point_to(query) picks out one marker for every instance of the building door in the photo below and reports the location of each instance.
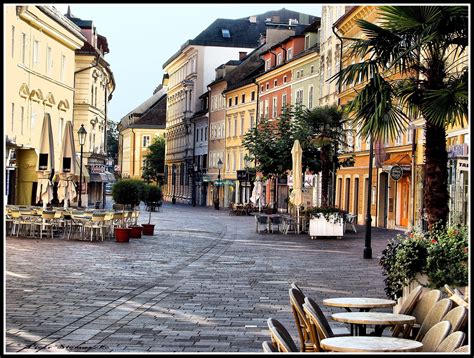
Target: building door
(367, 192)
(383, 195)
(404, 200)
(355, 208)
(347, 194)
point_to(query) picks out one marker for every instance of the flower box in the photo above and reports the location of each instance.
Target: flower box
(319, 226)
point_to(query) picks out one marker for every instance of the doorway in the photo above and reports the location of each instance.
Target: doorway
(347, 194)
(404, 200)
(355, 209)
(382, 204)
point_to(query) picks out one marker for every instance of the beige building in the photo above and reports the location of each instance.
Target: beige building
(94, 84)
(137, 130)
(39, 63)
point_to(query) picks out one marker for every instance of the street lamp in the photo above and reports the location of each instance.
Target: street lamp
(219, 166)
(81, 133)
(194, 183)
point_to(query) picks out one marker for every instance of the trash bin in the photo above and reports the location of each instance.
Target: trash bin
(97, 204)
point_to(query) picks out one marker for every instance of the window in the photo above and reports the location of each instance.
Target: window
(60, 132)
(274, 107)
(225, 33)
(283, 100)
(275, 83)
(284, 79)
(35, 52)
(262, 114)
(243, 98)
(306, 42)
(230, 102)
(290, 53)
(261, 88)
(312, 69)
(236, 100)
(279, 59)
(146, 141)
(252, 96)
(241, 124)
(13, 41)
(13, 114)
(398, 140)
(299, 96)
(235, 126)
(92, 95)
(268, 64)
(310, 97)
(49, 60)
(95, 93)
(205, 133)
(409, 135)
(234, 161)
(228, 162)
(302, 73)
(23, 48)
(266, 108)
(63, 67)
(228, 127)
(252, 120)
(297, 74)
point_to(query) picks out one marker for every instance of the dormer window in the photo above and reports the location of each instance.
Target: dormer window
(225, 33)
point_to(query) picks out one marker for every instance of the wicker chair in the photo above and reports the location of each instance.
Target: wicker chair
(302, 324)
(422, 308)
(463, 349)
(435, 315)
(435, 336)
(457, 317)
(407, 308)
(281, 338)
(262, 220)
(269, 347)
(451, 342)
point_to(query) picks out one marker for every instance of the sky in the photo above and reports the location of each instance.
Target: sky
(142, 37)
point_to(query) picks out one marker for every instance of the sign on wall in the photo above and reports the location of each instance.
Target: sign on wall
(396, 172)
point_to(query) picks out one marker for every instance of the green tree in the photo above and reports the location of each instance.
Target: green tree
(155, 161)
(419, 43)
(112, 139)
(326, 126)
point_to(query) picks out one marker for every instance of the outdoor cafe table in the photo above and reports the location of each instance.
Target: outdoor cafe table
(364, 304)
(370, 344)
(380, 320)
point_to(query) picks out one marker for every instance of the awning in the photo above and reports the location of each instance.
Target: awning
(99, 177)
(110, 177)
(85, 173)
(400, 159)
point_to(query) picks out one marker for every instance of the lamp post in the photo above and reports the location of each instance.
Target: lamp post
(368, 219)
(194, 184)
(219, 166)
(247, 184)
(81, 133)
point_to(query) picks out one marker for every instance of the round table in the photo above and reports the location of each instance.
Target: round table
(370, 344)
(379, 319)
(362, 303)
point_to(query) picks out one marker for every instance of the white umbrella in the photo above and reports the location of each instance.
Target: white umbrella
(296, 196)
(45, 165)
(44, 191)
(66, 187)
(257, 194)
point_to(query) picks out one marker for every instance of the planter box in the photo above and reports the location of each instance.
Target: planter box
(136, 232)
(148, 229)
(321, 227)
(420, 279)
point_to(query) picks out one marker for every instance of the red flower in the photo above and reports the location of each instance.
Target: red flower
(465, 250)
(434, 241)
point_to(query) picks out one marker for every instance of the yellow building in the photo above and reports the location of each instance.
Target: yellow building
(394, 203)
(39, 62)
(137, 130)
(94, 84)
(241, 116)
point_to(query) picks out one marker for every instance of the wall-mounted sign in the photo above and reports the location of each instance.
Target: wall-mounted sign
(396, 172)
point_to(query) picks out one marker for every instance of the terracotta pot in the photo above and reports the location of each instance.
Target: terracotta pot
(122, 234)
(136, 232)
(148, 229)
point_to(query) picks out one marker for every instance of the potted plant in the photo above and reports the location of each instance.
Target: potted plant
(136, 230)
(152, 196)
(325, 221)
(127, 193)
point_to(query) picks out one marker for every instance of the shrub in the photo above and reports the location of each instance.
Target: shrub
(127, 192)
(152, 195)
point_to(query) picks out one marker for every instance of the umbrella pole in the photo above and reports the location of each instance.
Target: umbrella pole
(298, 219)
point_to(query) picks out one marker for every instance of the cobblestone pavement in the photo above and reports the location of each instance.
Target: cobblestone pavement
(206, 282)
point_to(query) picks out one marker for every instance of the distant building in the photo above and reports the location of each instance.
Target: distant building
(192, 68)
(137, 130)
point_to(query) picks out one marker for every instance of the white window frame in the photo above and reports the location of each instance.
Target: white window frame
(23, 48)
(283, 100)
(279, 59)
(268, 64)
(145, 141)
(13, 42)
(310, 97)
(63, 67)
(35, 52)
(274, 106)
(290, 53)
(49, 60)
(242, 122)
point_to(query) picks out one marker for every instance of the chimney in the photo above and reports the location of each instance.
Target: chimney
(276, 19)
(253, 19)
(242, 55)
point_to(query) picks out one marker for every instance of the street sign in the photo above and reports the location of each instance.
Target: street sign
(396, 172)
(219, 183)
(206, 178)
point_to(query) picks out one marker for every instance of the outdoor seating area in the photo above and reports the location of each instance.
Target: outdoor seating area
(88, 224)
(276, 223)
(428, 321)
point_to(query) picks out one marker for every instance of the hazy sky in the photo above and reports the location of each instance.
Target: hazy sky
(142, 37)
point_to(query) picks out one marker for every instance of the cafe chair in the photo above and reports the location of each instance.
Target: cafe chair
(407, 308)
(435, 315)
(277, 221)
(281, 338)
(47, 222)
(349, 221)
(422, 307)
(295, 286)
(262, 220)
(269, 347)
(302, 325)
(457, 316)
(463, 349)
(96, 223)
(451, 342)
(435, 336)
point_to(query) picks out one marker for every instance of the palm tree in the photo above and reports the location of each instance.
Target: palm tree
(426, 47)
(327, 125)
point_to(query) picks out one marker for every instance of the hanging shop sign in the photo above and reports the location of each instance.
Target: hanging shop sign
(396, 172)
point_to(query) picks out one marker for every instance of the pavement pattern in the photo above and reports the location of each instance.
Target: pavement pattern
(205, 282)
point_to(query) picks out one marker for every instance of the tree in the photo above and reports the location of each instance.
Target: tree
(327, 127)
(426, 47)
(270, 143)
(112, 139)
(155, 161)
